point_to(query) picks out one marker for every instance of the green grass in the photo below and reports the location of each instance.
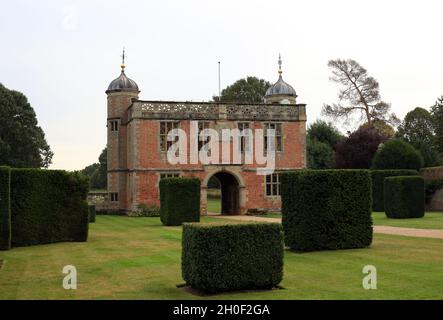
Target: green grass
(138, 258)
(214, 205)
(431, 220)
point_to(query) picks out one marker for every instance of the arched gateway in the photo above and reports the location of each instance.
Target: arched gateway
(232, 192)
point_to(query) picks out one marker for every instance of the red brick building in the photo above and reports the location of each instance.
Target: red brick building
(137, 145)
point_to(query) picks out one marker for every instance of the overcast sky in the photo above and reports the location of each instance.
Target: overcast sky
(63, 54)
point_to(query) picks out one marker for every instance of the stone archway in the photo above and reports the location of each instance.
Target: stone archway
(231, 186)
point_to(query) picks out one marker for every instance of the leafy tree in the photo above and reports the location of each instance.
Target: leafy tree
(321, 140)
(397, 154)
(357, 151)
(320, 155)
(359, 94)
(382, 127)
(249, 90)
(22, 141)
(437, 117)
(325, 132)
(98, 172)
(418, 129)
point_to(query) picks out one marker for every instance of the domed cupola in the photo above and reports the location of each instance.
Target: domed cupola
(280, 92)
(123, 83)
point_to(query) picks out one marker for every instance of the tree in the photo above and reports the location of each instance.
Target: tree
(22, 141)
(397, 154)
(249, 90)
(321, 141)
(437, 118)
(320, 155)
(417, 129)
(357, 151)
(98, 172)
(382, 127)
(325, 132)
(360, 94)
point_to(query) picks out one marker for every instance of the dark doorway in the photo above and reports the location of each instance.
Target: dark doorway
(229, 193)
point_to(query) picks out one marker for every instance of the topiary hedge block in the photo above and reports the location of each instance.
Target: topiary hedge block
(227, 257)
(92, 214)
(378, 177)
(48, 206)
(404, 197)
(179, 201)
(5, 208)
(326, 209)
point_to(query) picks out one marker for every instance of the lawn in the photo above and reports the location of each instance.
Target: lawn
(214, 205)
(431, 220)
(138, 258)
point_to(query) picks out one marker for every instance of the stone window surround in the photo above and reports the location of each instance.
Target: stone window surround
(266, 183)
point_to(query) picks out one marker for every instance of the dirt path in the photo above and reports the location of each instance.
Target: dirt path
(409, 232)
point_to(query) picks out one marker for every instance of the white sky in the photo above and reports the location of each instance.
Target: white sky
(63, 54)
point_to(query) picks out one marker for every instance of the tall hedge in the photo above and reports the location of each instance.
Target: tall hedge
(179, 201)
(404, 197)
(5, 208)
(92, 213)
(227, 257)
(326, 209)
(397, 154)
(378, 177)
(48, 206)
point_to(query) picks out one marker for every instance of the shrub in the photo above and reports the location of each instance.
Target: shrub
(91, 210)
(357, 151)
(179, 201)
(397, 154)
(5, 208)
(326, 209)
(224, 257)
(48, 206)
(319, 155)
(404, 197)
(378, 177)
(144, 210)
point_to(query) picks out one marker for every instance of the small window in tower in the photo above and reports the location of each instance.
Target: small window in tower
(114, 125)
(278, 136)
(114, 196)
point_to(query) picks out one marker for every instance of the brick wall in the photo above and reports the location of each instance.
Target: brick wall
(429, 174)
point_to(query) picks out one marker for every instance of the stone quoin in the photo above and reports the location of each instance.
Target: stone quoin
(137, 143)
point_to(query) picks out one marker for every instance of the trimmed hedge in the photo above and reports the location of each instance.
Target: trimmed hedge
(378, 177)
(91, 212)
(326, 209)
(404, 197)
(48, 206)
(5, 209)
(397, 154)
(179, 201)
(227, 257)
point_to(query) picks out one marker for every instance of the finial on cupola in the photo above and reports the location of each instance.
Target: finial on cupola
(279, 64)
(123, 60)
